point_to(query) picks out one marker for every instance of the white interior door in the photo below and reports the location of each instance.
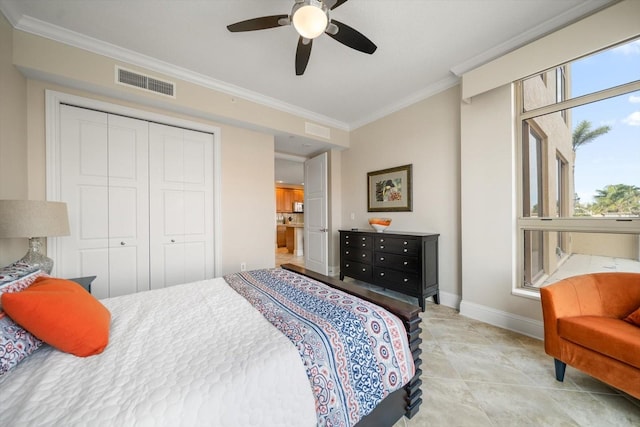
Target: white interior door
(104, 180)
(181, 201)
(316, 223)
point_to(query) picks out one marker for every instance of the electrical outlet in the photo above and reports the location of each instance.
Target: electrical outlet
(243, 266)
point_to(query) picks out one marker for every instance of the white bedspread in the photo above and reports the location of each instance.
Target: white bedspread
(194, 355)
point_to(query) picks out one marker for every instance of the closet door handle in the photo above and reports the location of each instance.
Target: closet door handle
(173, 241)
(122, 243)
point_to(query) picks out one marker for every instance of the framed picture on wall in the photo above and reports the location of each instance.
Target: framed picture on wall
(389, 190)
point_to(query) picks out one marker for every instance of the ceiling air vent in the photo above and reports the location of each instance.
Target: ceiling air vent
(148, 83)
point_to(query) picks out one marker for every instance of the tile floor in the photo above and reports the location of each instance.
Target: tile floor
(475, 374)
(283, 257)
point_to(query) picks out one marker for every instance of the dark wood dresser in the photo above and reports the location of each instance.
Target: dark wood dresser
(404, 262)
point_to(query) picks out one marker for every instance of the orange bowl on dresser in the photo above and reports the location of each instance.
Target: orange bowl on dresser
(379, 224)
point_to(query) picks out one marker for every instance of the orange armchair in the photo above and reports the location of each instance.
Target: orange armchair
(583, 327)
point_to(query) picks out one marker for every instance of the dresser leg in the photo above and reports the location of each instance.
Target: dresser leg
(341, 276)
(436, 298)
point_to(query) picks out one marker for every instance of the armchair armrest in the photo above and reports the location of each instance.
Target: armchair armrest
(574, 296)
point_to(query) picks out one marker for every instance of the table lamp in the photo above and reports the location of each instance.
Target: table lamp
(34, 219)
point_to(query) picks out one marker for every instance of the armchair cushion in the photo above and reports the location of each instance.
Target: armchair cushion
(605, 335)
(634, 318)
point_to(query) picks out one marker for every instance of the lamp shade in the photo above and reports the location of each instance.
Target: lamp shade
(33, 218)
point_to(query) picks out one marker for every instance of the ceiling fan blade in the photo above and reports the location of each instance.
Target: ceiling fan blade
(261, 23)
(352, 38)
(336, 3)
(303, 52)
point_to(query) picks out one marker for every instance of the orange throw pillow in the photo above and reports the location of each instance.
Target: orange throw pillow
(62, 314)
(634, 318)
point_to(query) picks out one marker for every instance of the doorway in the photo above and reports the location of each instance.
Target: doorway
(290, 217)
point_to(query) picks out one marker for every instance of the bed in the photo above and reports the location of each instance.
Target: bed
(232, 351)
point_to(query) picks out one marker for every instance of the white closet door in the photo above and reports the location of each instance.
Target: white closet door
(128, 205)
(104, 180)
(181, 201)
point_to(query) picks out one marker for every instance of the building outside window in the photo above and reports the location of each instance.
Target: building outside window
(579, 163)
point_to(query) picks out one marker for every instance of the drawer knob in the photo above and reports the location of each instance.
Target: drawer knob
(364, 245)
(346, 243)
(405, 250)
(364, 255)
(363, 239)
(406, 280)
(405, 263)
(381, 240)
(381, 258)
(381, 246)
(382, 274)
(406, 243)
(346, 252)
(347, 265)
(364, 269)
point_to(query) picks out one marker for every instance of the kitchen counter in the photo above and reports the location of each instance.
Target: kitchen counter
(294, 233)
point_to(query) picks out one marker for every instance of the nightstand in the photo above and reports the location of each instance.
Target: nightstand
(85, 282)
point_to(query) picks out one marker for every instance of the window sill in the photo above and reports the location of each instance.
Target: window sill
(526, 293)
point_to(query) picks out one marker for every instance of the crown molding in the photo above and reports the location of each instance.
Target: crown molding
(53, 32)
(578, 12)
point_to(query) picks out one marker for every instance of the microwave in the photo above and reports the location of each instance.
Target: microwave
(298, 207)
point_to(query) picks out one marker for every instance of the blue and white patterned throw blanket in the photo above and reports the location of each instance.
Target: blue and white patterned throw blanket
(354, 352)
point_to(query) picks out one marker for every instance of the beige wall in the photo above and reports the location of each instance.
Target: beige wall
(426, 135)
(13, 136)
(488, 205)
(625, 246)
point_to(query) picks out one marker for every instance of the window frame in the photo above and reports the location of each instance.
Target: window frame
(551, 222)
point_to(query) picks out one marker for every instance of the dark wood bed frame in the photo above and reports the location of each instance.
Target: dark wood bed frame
(407, 400)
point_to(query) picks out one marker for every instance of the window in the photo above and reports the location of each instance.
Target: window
(532, 174)
(579, 162)
(562, 203)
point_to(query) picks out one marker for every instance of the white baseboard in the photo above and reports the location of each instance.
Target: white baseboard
(513, 322)
(448, 299)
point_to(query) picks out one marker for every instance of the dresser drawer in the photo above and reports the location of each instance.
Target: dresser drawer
(398, 280)
(356, 254)
(356, 241)
(357, 270)
(397, 245)
(397, 262)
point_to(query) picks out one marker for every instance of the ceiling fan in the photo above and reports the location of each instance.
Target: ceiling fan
(310, 19)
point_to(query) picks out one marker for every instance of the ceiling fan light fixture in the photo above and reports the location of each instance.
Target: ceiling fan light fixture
(310, 18)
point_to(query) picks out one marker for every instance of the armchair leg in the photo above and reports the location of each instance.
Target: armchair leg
(560, 368)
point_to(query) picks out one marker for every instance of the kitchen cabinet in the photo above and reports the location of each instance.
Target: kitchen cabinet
(281, 236)
(285, 198)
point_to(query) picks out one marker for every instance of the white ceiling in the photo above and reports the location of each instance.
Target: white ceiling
(423, 47)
